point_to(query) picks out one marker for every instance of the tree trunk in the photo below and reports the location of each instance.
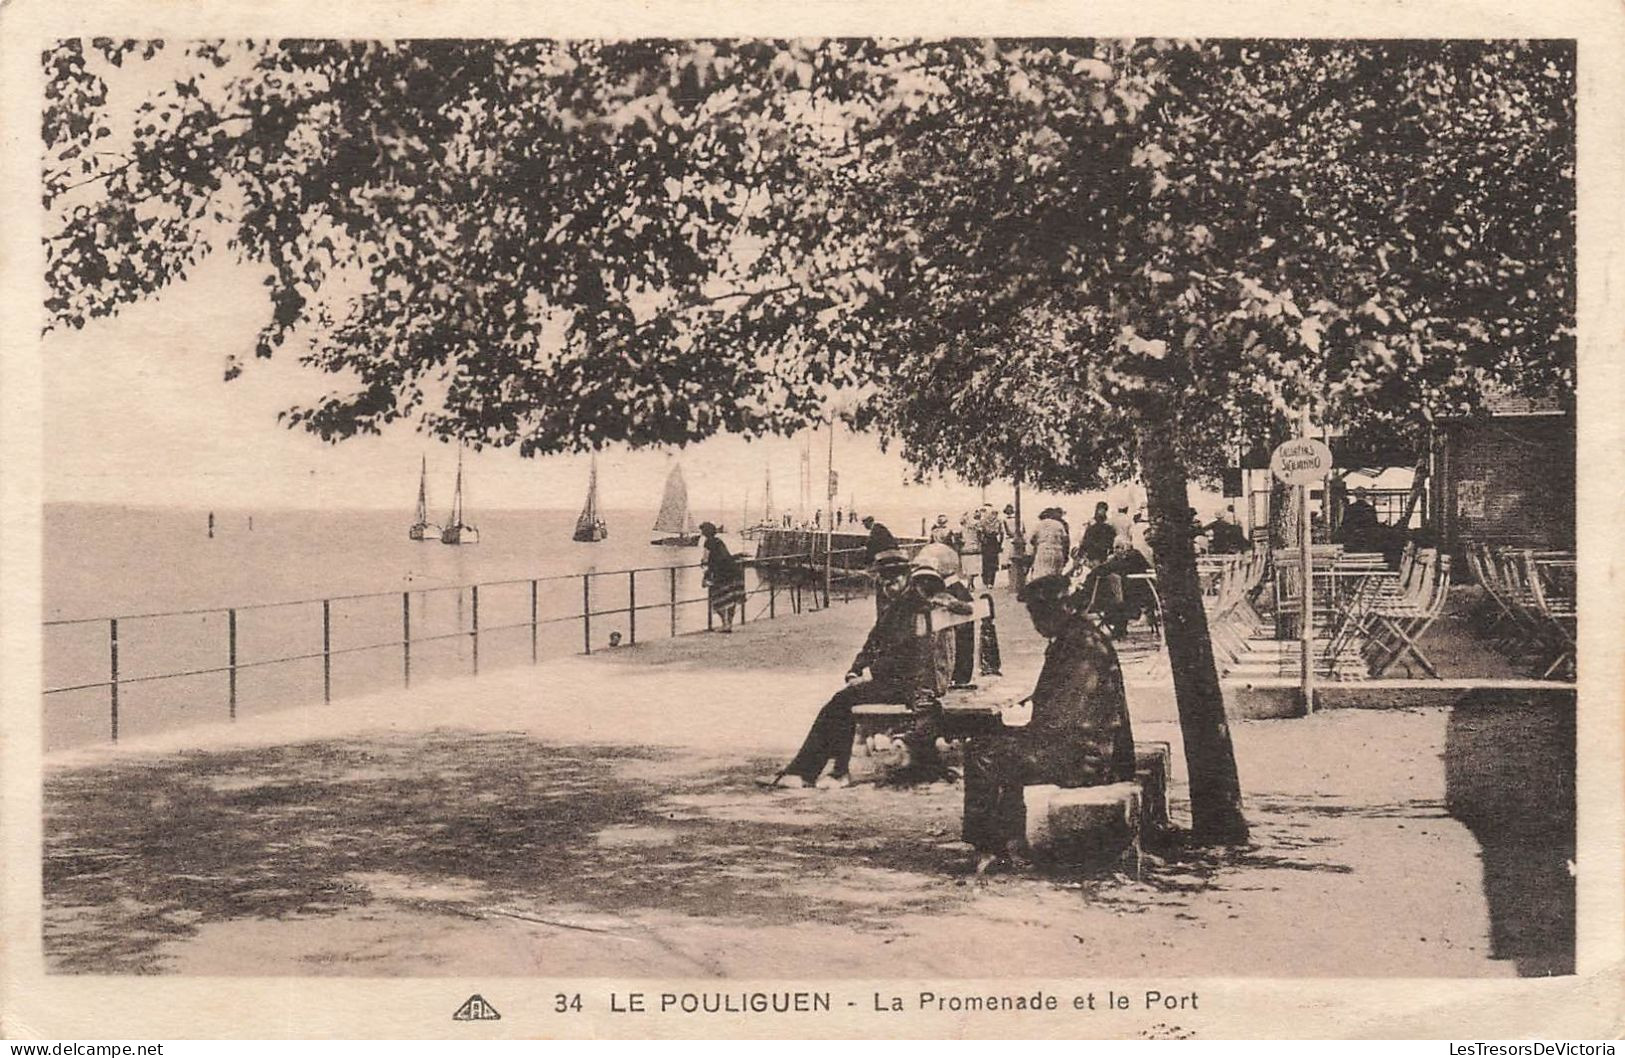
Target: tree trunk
(1215, 788)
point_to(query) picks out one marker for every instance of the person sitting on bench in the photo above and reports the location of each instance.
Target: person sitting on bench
(945, 561)
(1112, 590)
(1079, 734)
(890, 570)
(903, 667)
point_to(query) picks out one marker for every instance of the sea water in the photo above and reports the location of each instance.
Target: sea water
(275, 568)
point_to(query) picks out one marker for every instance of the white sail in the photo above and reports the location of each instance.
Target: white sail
(673, 516)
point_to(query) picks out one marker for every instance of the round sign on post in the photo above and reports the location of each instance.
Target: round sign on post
(1304, 461)
(1301, 461)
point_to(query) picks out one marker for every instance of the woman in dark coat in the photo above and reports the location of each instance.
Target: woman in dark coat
(1079, 734)
(724, 577)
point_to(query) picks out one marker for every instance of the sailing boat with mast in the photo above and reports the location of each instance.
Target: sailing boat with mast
(751, 532)
(674, 519)
(590, 527)
(458, 531)
(420, 524)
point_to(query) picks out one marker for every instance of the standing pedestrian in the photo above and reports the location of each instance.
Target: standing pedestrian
(724, 577)
(1051, 544)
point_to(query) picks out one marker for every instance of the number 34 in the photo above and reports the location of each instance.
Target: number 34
(564, 1004)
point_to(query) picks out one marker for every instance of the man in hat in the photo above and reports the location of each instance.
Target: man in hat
(1098, 538)
(890, 570)
(990, 529)
(902, 667)
(880, 539)
(1079, 734)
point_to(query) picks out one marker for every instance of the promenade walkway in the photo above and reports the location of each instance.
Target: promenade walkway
(596, 816)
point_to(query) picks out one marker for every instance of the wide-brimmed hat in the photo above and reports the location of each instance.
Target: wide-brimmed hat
(925, 574)
(708, 527)
(940, 557)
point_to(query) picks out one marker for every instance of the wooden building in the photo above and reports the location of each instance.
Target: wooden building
(1507, 477)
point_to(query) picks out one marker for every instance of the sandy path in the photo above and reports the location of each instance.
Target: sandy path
(595, 817)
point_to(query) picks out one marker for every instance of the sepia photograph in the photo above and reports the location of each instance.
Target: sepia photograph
(798, 509)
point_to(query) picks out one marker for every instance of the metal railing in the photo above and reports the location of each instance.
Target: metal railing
(798, 580)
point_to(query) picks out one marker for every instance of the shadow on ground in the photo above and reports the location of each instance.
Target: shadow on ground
(1510, 779)
(145, 852)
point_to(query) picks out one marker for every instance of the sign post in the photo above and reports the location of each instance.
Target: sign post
(1301, 462)
(829, 519)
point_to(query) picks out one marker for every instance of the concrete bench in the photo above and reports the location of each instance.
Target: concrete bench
(1085, 826)
(881, 721)
(1090, 825)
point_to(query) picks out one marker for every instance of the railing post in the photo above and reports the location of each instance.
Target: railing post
(231, 659)
(772, 596)
(586, 613)
(406, 639)
(112, 650)
(632, 606)
(474, 633)
(327, 651)
(533, 622)
(673, 572)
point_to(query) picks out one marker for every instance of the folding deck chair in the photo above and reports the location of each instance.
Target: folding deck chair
(1396, 628)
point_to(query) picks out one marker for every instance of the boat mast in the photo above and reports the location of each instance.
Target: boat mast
(423, 492)
(457, 497)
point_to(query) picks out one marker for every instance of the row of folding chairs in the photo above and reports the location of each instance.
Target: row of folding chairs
(1385, 586)
(1233, 582)
(1392, 626)
(1288, 594)
(1381, 622)
(1531, 596)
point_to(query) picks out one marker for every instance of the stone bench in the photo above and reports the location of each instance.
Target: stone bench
(1089, 825)
(1077, 825)
(1086, 825)
(887, 719)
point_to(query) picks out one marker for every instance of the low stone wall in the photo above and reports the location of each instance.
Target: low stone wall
(1281, 699)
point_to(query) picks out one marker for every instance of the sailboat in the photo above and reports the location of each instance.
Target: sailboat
(674, 518)
(590, 528)
(768, 522)
(420, 524)
(457, 531)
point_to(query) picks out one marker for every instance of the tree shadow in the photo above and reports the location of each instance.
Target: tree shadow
(140, 853)
(1510, 779)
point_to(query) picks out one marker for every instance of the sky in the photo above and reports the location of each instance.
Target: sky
(138, 413)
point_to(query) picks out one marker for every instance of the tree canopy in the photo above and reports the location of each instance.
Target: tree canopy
(563, 244)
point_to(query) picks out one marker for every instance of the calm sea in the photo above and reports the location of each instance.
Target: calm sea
(104, 561)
